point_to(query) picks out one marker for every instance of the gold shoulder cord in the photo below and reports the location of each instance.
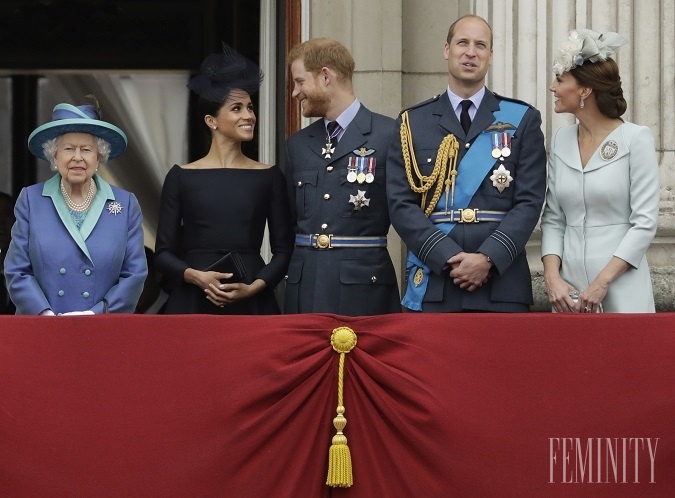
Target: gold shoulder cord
(440, 175)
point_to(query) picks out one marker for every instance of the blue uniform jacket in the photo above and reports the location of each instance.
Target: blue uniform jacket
(51, 264)
(509, 287)
(346, 281)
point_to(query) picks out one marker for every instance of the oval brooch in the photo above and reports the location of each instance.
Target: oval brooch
(609, 150)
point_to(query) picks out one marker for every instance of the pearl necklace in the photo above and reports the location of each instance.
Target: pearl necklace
(84, 206)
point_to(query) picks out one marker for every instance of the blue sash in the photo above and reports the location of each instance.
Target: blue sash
(474, 166)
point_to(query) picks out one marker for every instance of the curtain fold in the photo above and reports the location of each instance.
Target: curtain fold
(436, 405)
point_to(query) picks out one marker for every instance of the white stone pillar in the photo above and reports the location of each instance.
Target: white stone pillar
(531, 30)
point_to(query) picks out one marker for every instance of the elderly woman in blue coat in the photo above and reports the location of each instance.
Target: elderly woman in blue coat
(77, 243)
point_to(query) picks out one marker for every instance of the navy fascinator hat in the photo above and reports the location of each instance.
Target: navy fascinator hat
(222, 73)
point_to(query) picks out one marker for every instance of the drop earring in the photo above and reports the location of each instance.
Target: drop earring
(581, 104)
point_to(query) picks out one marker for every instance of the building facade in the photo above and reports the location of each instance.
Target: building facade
(398, 48)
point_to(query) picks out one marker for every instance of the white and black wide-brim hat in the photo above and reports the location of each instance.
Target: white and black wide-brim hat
(67, 118)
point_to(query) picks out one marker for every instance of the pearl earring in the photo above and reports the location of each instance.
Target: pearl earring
(214, 127)
(581, 104)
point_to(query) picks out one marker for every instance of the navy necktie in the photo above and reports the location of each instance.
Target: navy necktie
(464, 118)
(334, 130)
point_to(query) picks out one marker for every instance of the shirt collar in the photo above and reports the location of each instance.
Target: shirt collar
(347, 115)
(456, 101)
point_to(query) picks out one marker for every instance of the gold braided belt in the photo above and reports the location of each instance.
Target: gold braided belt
(441, 176)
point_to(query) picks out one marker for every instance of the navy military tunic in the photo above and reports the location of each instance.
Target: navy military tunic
(327, 201)
(509, 287)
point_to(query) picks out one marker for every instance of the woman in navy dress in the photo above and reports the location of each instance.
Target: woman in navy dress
(222, 202)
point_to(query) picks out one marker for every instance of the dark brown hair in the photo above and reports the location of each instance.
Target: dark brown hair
(603, 77)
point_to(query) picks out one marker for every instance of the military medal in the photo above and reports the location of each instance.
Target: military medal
(501, 140)
(370, 172)
(351, 170)
(361, 175)
(331, 139)
(359, 200)
(506, 144)
(609, 150)
(363, 164)
(328, 150)
(496, 145)
(501, 178)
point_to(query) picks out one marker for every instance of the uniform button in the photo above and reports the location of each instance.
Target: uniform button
(62, 271)
(329, 168)
(61, 293)
(85, 294)
(373, 279)
(428, 159)
(285, 277)
(324, 226)
(299, 184)
(326, 196)
(87, 272)
(467, 145)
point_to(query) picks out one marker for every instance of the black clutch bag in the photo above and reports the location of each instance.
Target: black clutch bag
(230, 263)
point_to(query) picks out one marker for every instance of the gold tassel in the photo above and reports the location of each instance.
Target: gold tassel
(340, 475)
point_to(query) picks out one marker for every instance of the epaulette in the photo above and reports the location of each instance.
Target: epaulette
(425, 102)
(511, 99)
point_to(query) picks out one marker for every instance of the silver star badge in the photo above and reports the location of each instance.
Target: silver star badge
(359, 200)
(501, 178)
(114, 207)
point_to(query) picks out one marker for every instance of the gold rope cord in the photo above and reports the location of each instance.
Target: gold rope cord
(441, 176)
(343, 340)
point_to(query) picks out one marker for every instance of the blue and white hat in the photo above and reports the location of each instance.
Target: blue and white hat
(68, 118)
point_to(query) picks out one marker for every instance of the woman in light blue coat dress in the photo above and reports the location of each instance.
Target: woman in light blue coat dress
(602, 203)
(77, 243)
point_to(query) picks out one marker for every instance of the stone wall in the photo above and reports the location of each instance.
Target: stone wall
(398, 47)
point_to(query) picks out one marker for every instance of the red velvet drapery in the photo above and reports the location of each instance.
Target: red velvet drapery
(436, 405)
